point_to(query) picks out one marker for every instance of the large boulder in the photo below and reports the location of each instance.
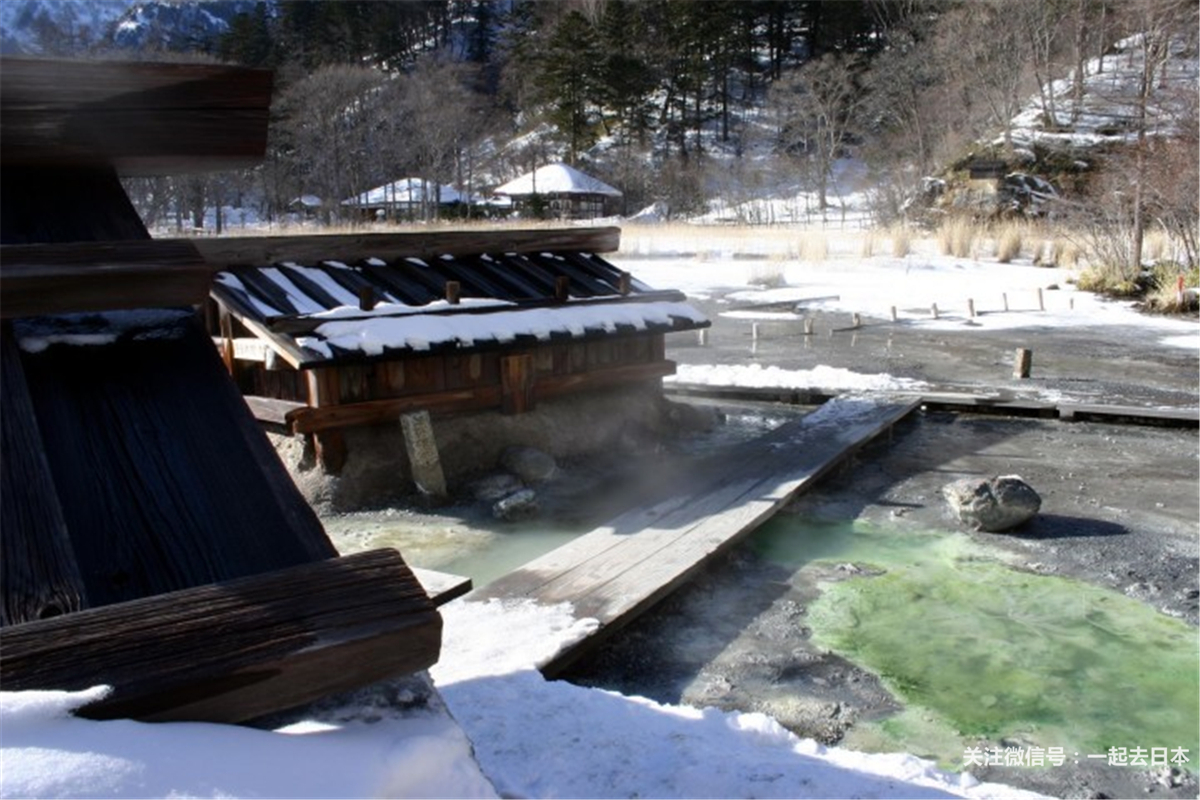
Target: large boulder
(992, 504)
(528, 463)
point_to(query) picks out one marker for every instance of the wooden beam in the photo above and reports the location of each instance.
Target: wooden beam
(223, 253)
(269, 409)
(233, 651)
(40, 279)
(39, 576)
(140, 117)
(305, 419)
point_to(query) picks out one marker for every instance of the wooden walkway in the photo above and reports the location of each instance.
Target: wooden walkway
(620, 569)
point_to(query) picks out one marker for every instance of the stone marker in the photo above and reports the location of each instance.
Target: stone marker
(992, 504)
(423, 455)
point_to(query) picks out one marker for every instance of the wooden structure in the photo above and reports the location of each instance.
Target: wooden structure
(152, 539)
(622, 568)
(322, 333)
(559, 191)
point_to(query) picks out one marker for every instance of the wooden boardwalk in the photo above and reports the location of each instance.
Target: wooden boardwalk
(619, 570)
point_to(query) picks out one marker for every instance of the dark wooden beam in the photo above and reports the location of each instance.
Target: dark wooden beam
(373, 412)
(233, 651)
(40, 279)
(140, 117)
(261, 250)
(39, 576)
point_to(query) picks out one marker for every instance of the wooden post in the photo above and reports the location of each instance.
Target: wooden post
(754, 331)
(855, 320)
(324, 390)
(226, 323)
(1041, 300)
(453, 292)
(895, 316)
(423, 457)
(1022, 363)
(933, 310)
(367, 298)
(562, 288)
(516, 384)
(1005, 296)
(808, 326)
(625, 284)
(971, 308)
(702, 337)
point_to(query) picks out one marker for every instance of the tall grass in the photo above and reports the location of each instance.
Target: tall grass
(1010, 241)
(814, 246)
(901, 237)
(957, 237)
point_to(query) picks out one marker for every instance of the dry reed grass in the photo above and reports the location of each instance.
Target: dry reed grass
(957, 236)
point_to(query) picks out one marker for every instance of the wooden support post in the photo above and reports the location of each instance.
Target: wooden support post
(625, 285)
(895, 316)
(1041, 300)
(702, 337)
(971, 308)
(754, 331)
(453, 292)
(1005, 297)
(562, 288)
(1022, 362)
(423, 458)
(855, 320)
(933, 310)
(367, 298)
(226, 325)
(808, 326)
(324, 390)
(516, 384)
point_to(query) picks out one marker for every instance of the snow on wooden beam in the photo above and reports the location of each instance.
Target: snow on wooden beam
(38, 279)
(141, 117)
(239, 649)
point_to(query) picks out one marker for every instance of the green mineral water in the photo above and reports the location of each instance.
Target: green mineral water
(981, 652)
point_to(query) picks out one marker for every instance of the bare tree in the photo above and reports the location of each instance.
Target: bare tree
(816, 106)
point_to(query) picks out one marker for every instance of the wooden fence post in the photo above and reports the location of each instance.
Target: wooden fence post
(1022, 362)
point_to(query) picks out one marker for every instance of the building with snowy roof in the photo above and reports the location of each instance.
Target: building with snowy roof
(407, 198)
(562, 192)
(523, 337)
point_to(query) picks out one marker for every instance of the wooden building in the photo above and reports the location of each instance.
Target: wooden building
(327, 333)
(559, 191)
(151, 538)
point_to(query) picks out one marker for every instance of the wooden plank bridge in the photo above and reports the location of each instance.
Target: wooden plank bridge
(619, 570)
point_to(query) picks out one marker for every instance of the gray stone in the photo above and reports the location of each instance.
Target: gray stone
(992, 504)
(491, 488)
(517, 506)
(528, 463)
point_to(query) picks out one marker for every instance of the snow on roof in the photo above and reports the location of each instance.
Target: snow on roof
(557, 179)
(422, 331)
(406, 191)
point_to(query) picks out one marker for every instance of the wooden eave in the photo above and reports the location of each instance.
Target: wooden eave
(140, 118)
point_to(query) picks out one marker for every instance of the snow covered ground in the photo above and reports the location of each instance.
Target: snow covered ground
(509, 732)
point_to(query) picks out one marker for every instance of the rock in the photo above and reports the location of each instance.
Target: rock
(993, 505)
(516, 506)
(528, 463)
(491, 488)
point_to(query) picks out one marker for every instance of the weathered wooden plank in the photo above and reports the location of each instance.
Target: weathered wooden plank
(1169, 417)
(371, 412)
(40, 279)
(39, 576)
(305, 419)
(165, 478)
(141, 117)
(223, 253)
(517, 379)
(239, 649)
(617, 571)
(269, 409)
